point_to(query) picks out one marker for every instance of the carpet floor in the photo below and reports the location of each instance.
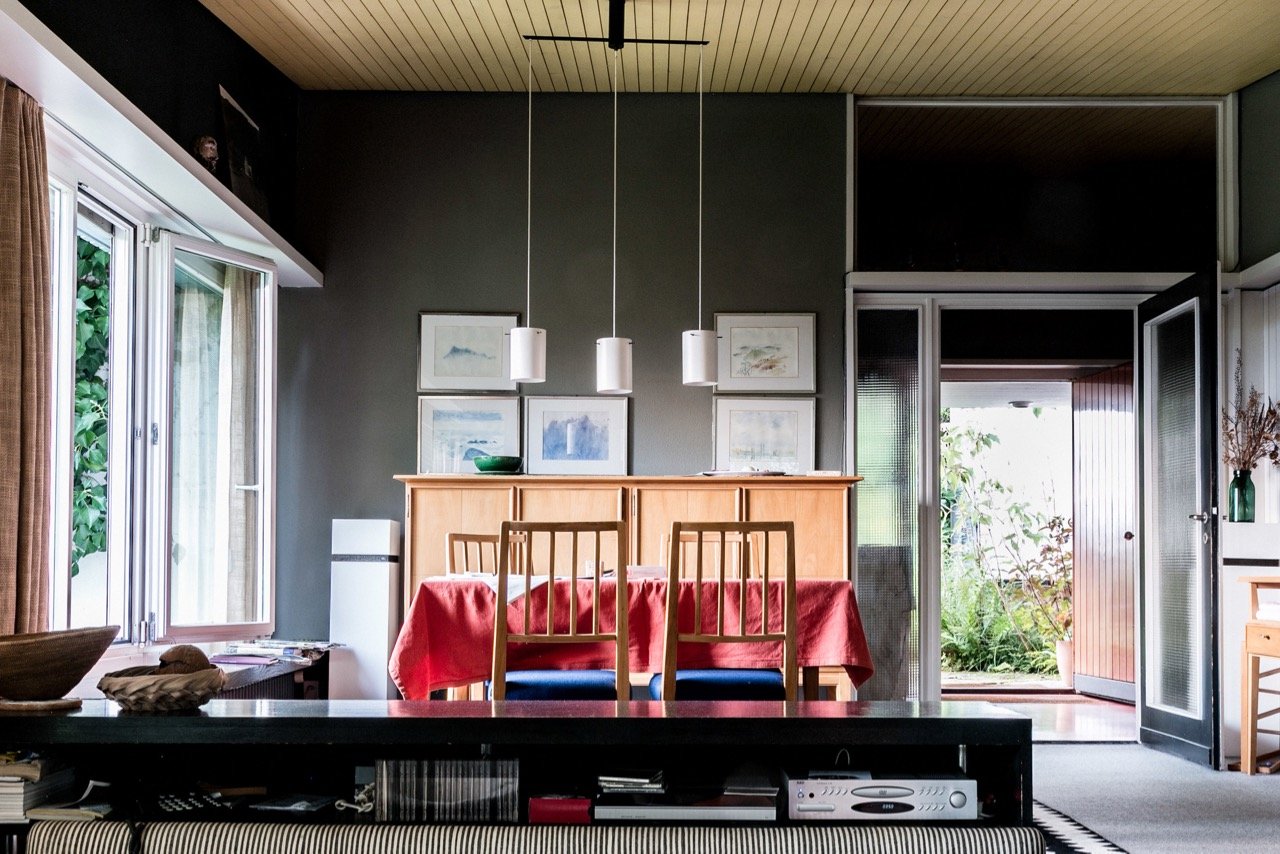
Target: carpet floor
(1149, 802)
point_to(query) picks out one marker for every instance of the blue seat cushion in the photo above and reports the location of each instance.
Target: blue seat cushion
(723, 684)
(562, 685)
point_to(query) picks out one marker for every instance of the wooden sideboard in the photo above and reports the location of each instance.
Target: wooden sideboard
(477, 504)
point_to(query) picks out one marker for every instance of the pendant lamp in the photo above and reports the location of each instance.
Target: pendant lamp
(613, 355)
(528, 343)
(698, 346)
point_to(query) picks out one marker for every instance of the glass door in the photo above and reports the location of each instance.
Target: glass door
(1178, 405)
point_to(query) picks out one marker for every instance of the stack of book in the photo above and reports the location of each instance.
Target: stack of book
(632, 782)
(640, 798)
(29, 781)
(446, 790)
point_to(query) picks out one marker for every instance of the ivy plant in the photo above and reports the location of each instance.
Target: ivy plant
(89, 441)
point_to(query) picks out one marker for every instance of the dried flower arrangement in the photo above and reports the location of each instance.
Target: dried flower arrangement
(1250, 429)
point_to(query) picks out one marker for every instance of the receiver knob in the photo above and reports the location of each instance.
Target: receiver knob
(958, 799)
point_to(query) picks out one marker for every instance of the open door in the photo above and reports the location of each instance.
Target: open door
(1178, 452)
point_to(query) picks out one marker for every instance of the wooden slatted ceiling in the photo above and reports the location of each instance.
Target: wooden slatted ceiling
(903, 48)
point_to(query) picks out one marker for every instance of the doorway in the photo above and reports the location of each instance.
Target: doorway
(1013, 376)
(1037, 486)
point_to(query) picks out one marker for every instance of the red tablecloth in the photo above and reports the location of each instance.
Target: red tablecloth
(447, 636)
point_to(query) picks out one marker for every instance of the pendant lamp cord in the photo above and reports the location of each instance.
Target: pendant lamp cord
(699, 323)
(528, 205)
(615, 194)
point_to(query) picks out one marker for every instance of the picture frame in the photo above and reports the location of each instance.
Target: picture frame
(576, 435)
(765, 352)
(452, 431)
(766, 434)
(465, 352)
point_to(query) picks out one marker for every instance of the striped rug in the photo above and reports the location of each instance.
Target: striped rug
(1064, 835)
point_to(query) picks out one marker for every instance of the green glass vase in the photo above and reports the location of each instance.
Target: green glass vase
(1240, 496)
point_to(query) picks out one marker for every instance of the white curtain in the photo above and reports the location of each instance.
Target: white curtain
(197, 321)
(215, 570)
(240, 320)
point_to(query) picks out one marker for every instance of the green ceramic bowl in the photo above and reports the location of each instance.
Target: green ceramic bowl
(495, 465)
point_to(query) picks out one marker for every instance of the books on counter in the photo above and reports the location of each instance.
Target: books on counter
(242, 658)
(748, 793)
(271, 650)
(72, 812)
(629, 781)
(19, 796)
(695, 804)
(16, 766)
(447, 790)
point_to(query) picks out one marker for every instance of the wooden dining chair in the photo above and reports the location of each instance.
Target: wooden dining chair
(693, 539)
(570, 552)
(752, 565)
(470, 553)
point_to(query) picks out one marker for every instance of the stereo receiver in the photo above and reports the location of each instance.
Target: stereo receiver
(859, 795)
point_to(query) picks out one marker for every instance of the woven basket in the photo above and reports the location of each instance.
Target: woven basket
(141, 689)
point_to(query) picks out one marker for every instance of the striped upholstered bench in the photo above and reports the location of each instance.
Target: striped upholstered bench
(112, 837)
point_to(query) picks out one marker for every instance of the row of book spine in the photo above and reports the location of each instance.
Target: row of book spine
(446, 791)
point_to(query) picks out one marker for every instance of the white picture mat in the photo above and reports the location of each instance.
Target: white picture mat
(764, 433)
(765, 352)
(465, 352)
(576, 435)
(453, 430)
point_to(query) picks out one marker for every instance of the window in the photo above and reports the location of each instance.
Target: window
(164, 391)
(213, 483)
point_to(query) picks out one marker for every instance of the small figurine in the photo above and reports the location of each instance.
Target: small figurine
(206, 149)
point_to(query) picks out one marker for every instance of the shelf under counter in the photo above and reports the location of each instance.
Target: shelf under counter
(280, 741)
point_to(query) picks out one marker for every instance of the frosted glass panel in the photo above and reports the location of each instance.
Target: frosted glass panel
(1174, 568)
(887, 448)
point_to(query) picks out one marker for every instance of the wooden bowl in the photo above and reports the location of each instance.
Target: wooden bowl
(46, 665)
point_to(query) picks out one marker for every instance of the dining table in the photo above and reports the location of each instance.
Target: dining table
(446, 639)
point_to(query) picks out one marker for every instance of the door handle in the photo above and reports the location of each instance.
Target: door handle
(1199, 517)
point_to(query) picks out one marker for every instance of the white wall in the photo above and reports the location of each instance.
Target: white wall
(1251, 322)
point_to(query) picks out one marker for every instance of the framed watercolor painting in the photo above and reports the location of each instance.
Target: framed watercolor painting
(465, 352)
(576, 435)
(764, 434)
(453, 431)
(765, 352)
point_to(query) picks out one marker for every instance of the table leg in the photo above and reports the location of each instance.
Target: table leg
(809, 682)
(1249, 712)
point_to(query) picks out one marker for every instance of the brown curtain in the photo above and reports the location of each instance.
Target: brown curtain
(24, 364)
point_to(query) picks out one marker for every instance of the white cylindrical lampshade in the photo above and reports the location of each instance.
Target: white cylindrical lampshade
(613, 365)
(699, 350)
(528, 354)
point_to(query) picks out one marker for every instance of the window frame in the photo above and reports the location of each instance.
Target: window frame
(160, 418)
(80, 174)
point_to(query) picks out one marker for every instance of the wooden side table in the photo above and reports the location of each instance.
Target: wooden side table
(1261, 638)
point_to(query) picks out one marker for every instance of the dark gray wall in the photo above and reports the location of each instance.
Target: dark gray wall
(416, 202)
(168, 57)
(1260, 170)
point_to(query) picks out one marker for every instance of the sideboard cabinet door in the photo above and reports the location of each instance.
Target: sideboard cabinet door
(655, 507)
(821, 515)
